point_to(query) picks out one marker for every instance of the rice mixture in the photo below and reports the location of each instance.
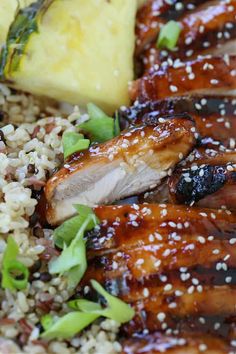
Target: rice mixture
(30, 149)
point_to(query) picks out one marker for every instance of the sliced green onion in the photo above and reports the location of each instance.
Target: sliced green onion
(69, 325)
(95, 112)
(73, 142)
(88, 311)
(47, 321)
(169, 35)
(116, 310)
(72, 262)
(66, 232)
(14, 273)
(99, 127)
(100, 130)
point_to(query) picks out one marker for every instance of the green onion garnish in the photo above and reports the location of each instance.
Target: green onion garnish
(66, 232)
(69, 325)
(88, 311)
(116, 309)
(47, 321)
(72, 262)
(169, 35)
(99, 127)
(14, 273)
(73, 142)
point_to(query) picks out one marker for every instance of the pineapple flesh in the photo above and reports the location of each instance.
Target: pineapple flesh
(77, 51)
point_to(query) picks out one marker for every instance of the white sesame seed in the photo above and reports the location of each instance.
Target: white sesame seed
(173, 88)
(184, 276)
(214, 81)
(161, 316)
(201, 239)
(195, 281)
(233, 343)
(198, 106)
(217, 326)
(191, 289)
(202, 320)
(151, 238)
(145, 292)
(199, 288)
(139, 261)
(166, 253)
(172, 305)
(157, 263)
(178, 293)
(114, 265)
(167, 287)
(228, 280)
(232, 241)
(202, 347)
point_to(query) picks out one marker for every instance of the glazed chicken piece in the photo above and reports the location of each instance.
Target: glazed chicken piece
(183, 343)
(207, 178)
(214, 116)
(171, 263)
(207, 76)
(210, 29)
(131, 163)
(154, 13)
(210, 183)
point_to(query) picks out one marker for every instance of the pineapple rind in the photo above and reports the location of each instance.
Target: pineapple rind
(8, 10)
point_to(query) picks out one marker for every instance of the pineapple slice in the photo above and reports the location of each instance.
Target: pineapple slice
(77, 51)
(8, 10)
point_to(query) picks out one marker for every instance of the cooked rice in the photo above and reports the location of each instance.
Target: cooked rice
(30, 149)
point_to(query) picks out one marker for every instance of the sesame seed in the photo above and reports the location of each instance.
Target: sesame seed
(233, 343)
(157, 263)
(173, 88)
(166, 253)
(114, 265)
(167, 287)
(183, 269)
(178, 293)
(217, 326)
(161, 316)
(202, 347)
(228, 280)
(201, 239)
(139, 261)
(163, 278)
(195, 281)
(191, 289)
(199, 288)
(151, 238)
(214, 82)
(184, 276)
(202, 320)
(145, 292)
(232, 241)
(172, 305)
(158, 236)
(198, 106)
